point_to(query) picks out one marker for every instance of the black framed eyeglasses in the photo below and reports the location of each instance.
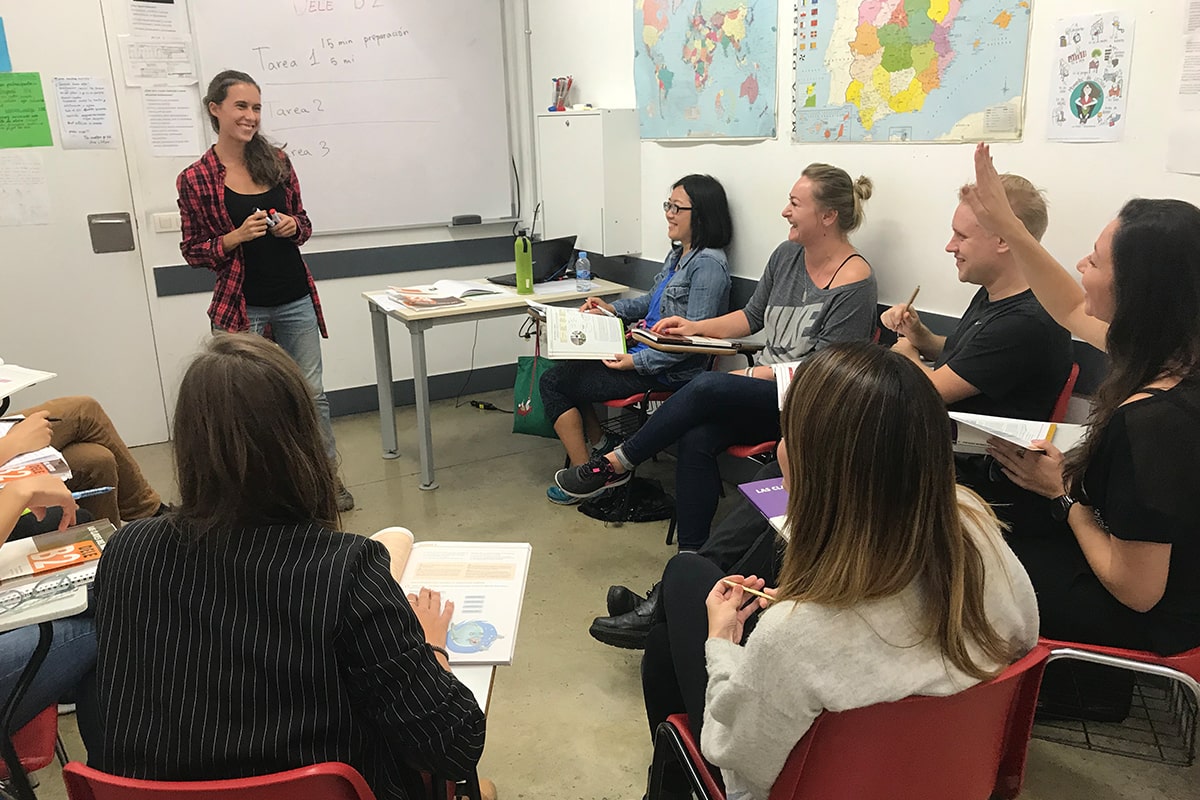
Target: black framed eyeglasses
(673, 208)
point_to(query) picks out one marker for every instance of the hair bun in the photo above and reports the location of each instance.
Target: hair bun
(863, 188)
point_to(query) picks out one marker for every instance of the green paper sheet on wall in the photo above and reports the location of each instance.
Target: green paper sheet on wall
(23, 120)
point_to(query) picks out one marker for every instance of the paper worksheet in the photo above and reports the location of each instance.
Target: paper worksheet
(173, 118)
(1184, 130)
(157, 18)
(24, 193)
(85, 113)
(152, 61)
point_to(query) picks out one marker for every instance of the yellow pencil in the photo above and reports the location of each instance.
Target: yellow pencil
(754, 592)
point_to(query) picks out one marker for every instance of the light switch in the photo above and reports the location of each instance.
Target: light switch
(166, 222)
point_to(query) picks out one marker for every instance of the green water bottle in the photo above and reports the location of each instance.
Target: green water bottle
(523, 253)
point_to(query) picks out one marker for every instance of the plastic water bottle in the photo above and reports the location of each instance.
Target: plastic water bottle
(523, 256)
(583, 273)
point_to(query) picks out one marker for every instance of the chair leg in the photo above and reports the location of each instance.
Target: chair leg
(671, 530)
(60, 751)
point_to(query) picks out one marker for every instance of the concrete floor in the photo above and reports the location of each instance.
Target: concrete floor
(566, 719)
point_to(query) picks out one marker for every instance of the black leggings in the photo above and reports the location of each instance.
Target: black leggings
(674, 675)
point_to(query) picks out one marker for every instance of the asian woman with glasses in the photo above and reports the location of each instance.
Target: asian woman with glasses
(693, 284)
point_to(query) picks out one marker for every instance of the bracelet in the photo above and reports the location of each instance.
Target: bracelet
(749, 372)
(441, 650)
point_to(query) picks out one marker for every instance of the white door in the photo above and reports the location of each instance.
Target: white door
(65, 308)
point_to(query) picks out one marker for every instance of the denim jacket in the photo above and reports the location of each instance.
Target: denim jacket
(699, 290)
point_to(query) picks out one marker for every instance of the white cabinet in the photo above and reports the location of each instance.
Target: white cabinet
(589, 167)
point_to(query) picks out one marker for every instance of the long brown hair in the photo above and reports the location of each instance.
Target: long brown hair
(1155, 329)
(248, 449)
(872, 501)
(264, 161)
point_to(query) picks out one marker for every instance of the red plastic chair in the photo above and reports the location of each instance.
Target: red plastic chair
(1064, 397)
(967, 746)
(1183, 668)
(36, 743)
(328, 781)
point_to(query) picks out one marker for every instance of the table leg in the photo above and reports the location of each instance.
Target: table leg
(417, 330)
(18, 780)
(383, 381)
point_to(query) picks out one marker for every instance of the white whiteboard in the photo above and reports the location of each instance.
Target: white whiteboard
(394, 112)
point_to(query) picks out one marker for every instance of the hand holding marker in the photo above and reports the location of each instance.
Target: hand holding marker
(272, 217)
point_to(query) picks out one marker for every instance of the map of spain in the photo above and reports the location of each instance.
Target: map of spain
(705, 68)
(910, 70)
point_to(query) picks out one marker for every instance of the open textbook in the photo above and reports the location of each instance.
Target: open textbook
(972, 431)
(574, 335)
(486, 582)
(13, 378)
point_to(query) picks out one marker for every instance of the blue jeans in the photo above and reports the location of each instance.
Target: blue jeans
(67, 670)
(575, 384)
(294, 328)
(712, 412)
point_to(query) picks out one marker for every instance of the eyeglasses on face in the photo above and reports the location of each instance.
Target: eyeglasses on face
(673, 208)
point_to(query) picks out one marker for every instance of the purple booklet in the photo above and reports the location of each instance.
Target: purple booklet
(770, 498)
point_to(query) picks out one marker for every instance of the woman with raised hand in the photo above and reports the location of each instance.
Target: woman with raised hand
(243, 634)
(243, 218)
(1120, 563)
(894, 582)
(817, 289)
(693, 284)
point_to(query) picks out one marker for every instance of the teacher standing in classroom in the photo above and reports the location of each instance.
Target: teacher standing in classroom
(243, 218)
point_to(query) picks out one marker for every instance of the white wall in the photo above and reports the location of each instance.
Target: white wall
(908, 219)
(180, 322)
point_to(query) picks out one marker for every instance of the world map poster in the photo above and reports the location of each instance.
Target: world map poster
(910, 70)
(705, 68)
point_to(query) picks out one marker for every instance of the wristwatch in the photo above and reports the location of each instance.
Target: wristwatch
(1062, 507)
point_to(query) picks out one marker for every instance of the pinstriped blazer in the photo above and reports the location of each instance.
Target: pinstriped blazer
(263, 649)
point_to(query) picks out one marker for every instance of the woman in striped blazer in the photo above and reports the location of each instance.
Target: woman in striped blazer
(242, 634)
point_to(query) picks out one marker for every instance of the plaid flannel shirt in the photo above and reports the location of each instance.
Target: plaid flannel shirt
(205, 220)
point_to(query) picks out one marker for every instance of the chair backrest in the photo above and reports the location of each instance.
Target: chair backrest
(1064, 397)
(34, 742)
(328, 781)
(967, 746)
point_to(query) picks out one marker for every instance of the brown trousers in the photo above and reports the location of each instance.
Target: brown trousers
(98, 457)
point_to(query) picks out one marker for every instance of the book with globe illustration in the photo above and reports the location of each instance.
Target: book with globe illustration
(486, 582)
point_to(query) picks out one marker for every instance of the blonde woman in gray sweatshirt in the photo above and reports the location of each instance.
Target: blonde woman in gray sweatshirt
(894, 581)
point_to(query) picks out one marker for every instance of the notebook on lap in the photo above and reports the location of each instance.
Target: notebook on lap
(550, 258)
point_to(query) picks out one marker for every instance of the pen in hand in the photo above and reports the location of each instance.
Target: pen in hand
(22, 419)
(908, 305)
(748, 590)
